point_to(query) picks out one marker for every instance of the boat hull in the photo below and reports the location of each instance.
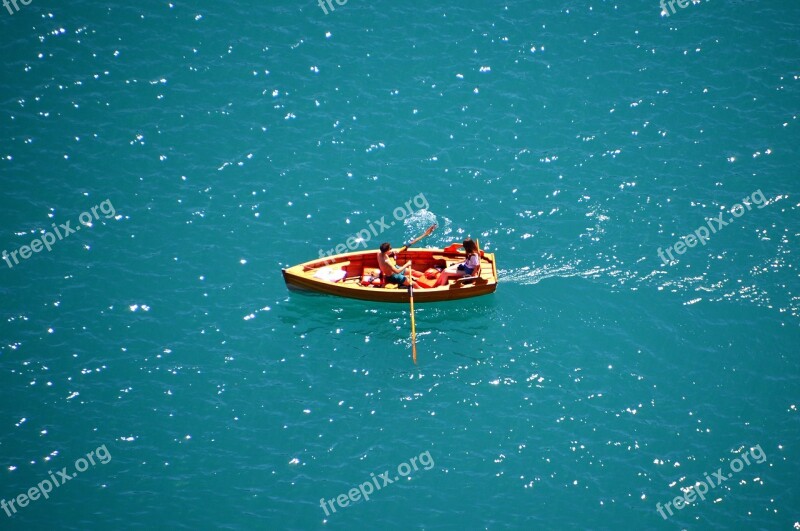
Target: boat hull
(302, 276)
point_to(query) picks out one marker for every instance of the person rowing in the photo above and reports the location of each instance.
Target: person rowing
(390, 270)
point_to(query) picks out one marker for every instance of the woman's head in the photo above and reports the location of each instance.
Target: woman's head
(470, 246)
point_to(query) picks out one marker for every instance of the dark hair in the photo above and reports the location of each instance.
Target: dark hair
(385, 246)
(470, 246)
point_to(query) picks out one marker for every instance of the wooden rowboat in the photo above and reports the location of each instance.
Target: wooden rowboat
(344, 275)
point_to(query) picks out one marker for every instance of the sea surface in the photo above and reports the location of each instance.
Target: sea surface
(156, 358)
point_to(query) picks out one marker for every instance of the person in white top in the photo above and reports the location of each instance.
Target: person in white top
(465, 268)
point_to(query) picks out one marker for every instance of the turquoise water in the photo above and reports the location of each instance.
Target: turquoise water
(222, 141)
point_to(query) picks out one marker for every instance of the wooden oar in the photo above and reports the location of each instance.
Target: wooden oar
(413, 325)
(425, 234)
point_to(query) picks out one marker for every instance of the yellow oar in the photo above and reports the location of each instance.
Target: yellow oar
(413, 325)
(411, 292)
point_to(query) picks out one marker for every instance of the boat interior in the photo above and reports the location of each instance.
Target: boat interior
(362, 269)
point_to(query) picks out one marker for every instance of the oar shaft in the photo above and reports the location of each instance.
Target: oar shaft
(411, 292)
(413, 325)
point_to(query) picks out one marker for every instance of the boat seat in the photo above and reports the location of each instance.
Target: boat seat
(371, 277)
(469, 280)
(446, 260)
(336, 265)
